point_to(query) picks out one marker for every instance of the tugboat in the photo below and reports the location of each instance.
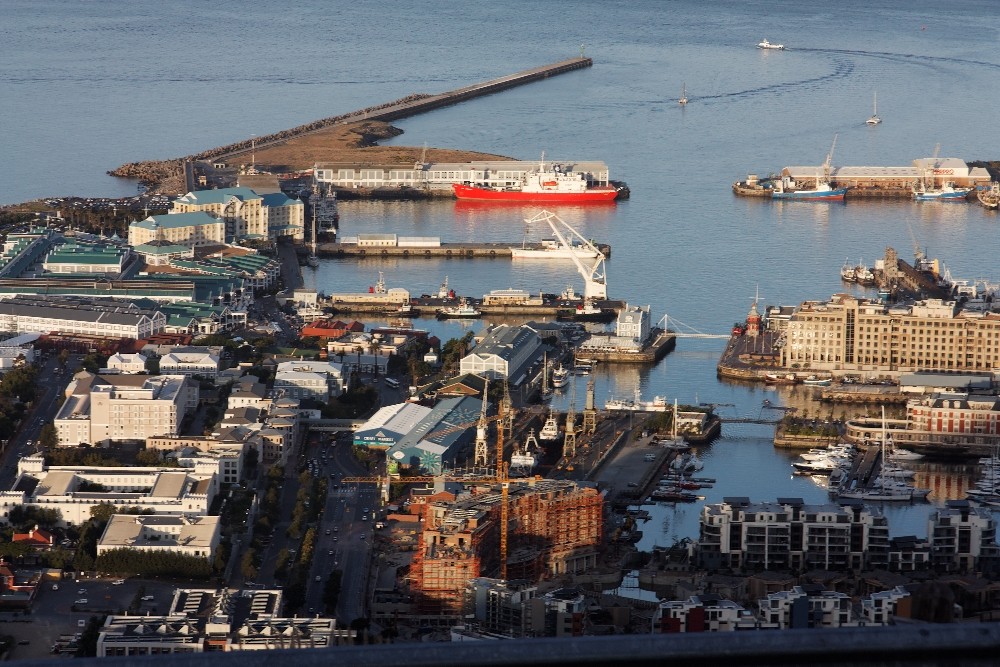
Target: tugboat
(463, 311)
(550, 430)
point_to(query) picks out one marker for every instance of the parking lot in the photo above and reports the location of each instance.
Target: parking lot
(59, 611)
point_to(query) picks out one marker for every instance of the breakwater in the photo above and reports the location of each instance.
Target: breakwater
(153, 171)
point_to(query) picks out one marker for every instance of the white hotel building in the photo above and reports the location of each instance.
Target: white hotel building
(123, 407)
(194, 536)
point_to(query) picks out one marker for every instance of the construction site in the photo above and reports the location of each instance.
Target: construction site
(554, 527)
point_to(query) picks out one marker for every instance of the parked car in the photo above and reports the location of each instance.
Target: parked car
(81, 601)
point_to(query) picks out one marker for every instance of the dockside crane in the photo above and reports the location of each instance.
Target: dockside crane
(595, 281)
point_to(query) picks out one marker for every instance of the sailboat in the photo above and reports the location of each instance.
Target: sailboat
(874, 120)
(887, 488)
(684, 95)
(675, 442)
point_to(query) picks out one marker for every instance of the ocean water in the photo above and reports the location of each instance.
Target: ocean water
(86, 86)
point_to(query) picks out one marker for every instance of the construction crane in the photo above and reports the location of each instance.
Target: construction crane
(595, 281)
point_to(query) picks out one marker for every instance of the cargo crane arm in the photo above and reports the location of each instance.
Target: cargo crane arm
(595, 282)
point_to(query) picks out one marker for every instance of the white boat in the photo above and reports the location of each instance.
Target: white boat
(560, 377)
(847, 273)
(886, 488)
(684, 95)
(764, 44)
(464, 310)
(814, 381)
(550, 430)
(863, 274)
(658, 404)
(554, 249)
(874, 120)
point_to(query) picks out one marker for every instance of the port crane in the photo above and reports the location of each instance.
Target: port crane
(595, 281)
(501, 476)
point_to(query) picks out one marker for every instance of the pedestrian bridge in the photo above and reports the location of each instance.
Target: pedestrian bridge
(333, 425)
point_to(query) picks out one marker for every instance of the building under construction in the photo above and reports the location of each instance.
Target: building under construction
(555, 527)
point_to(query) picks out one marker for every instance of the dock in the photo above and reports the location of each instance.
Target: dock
(864, 471)
(444, 249)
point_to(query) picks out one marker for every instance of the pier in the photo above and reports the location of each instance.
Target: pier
(447, 250)
(864, 471)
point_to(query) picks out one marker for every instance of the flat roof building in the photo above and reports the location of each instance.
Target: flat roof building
(195, 536)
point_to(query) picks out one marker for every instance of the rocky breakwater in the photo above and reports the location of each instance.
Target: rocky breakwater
(168, 175)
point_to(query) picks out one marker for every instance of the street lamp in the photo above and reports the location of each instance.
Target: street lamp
(253, 150)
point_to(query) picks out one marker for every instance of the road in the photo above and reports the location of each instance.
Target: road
(51, 381)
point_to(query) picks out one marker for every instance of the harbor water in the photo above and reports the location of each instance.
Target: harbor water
(163, 86)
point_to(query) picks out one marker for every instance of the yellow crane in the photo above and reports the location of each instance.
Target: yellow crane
(500, 477)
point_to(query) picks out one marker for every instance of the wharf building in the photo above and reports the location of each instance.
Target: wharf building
(632, 332)
(307, 379)
(790, 535)
(851, 335)
(954, 424)
(423, 439)
(87, 317)
(505, 352)
(209, 620)
(933, 172)
(440, 176)
(556, 528)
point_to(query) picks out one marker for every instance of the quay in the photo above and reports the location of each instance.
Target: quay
(442, 249)
(661, 342)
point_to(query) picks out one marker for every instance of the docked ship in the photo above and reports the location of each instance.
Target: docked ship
(547, 184)
(463, 311)
(325, 213)
(947, 192)
(550, 429)
(658, 404)
(523, 460)
(560, 377)
(990, 197)
(553, 249)
(823, 191)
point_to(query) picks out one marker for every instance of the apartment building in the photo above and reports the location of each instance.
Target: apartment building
(701, 613)
(316, 380)
(860, 335)
(556, 529)
(809, 606)
(788, 534)
(963, 538)
(103, 408)
(209, 620)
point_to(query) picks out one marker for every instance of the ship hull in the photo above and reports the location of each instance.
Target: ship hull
(473, 193)
(810, 195)
(559, 253)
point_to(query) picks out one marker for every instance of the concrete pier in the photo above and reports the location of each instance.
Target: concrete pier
(447, 250)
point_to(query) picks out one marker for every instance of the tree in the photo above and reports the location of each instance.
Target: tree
(103, 512)
(153, 365)
(248, 567)
(48, 437)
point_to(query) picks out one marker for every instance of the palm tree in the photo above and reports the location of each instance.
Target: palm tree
(374, 347)
(359, 349)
